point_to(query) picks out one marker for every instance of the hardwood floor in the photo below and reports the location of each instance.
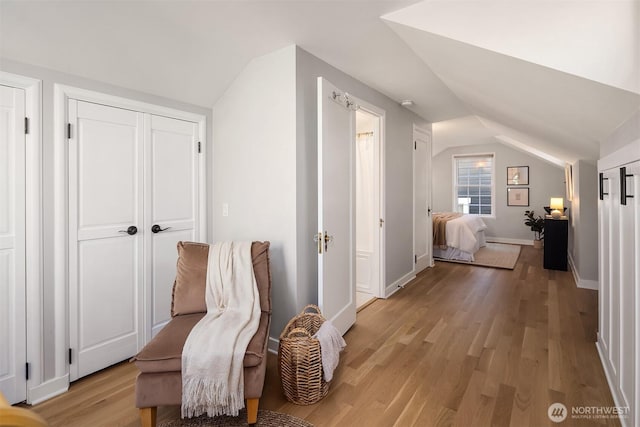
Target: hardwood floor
(460, 345)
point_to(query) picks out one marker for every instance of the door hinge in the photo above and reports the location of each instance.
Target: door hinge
(318, 238)
(415, 259)
(27, 367)
(415, 145)
(70, 357)
(199, 147)
(68, 130)
(26, 125)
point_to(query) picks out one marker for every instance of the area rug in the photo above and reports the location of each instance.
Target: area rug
(496, 255)
(265, 419)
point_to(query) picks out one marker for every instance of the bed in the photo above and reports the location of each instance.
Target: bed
(457, 236)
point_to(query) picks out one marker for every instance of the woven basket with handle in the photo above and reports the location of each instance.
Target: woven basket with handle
(300, 360)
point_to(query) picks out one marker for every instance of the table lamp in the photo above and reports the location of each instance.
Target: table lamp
(557, 207)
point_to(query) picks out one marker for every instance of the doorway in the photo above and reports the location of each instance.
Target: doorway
(135, 173)
(20, 247)
(368, 218)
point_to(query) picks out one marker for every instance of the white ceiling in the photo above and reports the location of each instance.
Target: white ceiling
(520, 73)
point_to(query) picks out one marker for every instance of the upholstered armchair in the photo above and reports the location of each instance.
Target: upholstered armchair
(159, 382)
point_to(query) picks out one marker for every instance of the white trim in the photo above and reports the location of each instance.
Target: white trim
(581, 283)
(127, 104)
(454, 190)
(60, 235)
(273, 345)
(615, 392)
(48, 389)
(509, 241)
(62, 94)
(625, 155)
(400, 283)
(33, 225)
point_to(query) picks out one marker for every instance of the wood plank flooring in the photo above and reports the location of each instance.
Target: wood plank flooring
(459, 346)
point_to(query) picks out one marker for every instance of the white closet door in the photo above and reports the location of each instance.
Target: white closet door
(13, 383)
(105, 251)
(422, 216)
(171, 192)
(628, 287)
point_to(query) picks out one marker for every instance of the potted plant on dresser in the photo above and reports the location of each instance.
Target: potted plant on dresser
(537, 226)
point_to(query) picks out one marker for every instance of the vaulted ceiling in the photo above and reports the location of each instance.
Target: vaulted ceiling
(554, 78)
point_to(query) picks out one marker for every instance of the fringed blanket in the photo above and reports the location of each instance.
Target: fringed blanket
(440, 220)
(212, 357)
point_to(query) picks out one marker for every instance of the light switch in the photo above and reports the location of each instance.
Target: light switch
(225, 209)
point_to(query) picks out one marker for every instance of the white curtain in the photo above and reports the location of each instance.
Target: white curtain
(364, 191)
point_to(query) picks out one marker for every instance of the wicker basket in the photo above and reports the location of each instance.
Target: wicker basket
(300, 360)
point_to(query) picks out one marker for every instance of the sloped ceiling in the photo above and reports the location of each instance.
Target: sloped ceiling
(192, 50)
(550, 77)
(563, 105)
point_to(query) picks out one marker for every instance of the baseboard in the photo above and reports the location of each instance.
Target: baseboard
(581, 283)
(401, 282)
(615, 392)
(47, 390)
(273, 345)
(509, 241)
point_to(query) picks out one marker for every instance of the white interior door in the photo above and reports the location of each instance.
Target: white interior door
(13, 383)
(105, 243)
(171, 207)
(336, 207)
(422, 185)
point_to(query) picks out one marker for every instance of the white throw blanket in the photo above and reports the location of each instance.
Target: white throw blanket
(212, 357)
(331, 344)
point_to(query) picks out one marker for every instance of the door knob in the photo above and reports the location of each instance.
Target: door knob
(130, 231)
(156, 228)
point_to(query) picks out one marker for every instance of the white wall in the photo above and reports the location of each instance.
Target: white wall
(254, 169)
(627, 132)
(546, 180)
(49, 78)
(583, 230)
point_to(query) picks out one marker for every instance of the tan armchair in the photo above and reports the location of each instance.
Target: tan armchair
(159, 382)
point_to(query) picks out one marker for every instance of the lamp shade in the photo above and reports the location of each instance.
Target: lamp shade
(557, 204)
(557, 207)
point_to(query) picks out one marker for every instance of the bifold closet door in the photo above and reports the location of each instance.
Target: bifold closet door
(13, 355)
(171, 205)
(629, 282)
(105, 239)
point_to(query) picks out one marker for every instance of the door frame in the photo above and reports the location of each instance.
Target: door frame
(379, 191)
(61, 96)
(424, 130)
(33, 227)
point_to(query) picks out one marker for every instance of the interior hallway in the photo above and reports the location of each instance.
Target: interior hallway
(460, 345)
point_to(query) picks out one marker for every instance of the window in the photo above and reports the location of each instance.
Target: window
(473, 184)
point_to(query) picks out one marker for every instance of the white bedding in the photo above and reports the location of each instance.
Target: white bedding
(465, 235)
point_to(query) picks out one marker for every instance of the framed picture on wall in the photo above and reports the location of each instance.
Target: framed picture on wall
(518, 196)
(518, 175)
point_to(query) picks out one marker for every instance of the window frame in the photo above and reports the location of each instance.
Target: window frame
(454, 186)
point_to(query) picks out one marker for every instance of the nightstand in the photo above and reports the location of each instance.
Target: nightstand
(556, 233)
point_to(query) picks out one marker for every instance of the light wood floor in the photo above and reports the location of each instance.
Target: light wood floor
(460, 345)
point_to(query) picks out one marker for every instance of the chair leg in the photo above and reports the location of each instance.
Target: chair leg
(148, 416)
(252, 411)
